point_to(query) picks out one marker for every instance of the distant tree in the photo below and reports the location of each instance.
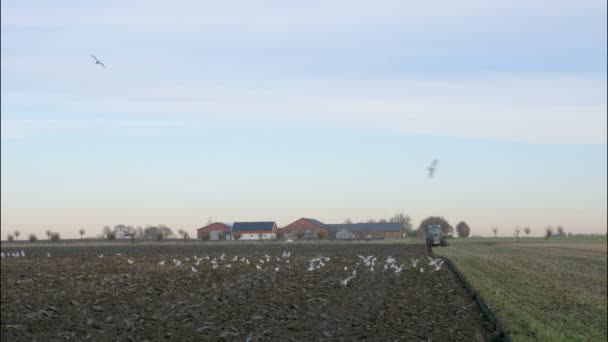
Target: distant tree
(151, 232)
(10, 238)
(561, 231)
(139, 232)
(434, 220)
(48, 234)
(348, 221)
(209, 221)
(17, 233)
(527, 231)
(404, 220)
(371, 221)
(548, 232)
(55, 237)
(463, 230)
(300, 234)
(33, 238)
(495, 230)
(382, 220)
(279, 234)
(569, 234)
(159, 236)
(186, 236)
(205, 236)
(517, 229)
(236, 236)
(321, 234)
(111, 235)
(81, 232)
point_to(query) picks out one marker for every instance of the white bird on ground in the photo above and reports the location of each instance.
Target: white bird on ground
(215, 266)
(236, 258)
(438, 266)
(97, 61)
(311, 267)
(15, 255)
(229, 265)
(2, 255)
(345, 281)
(421, 270)
(354, 273)
(177, 262)
(385, 267)
(243, 259)
(345, 268)
(162, 262)
(415, 262)
(48, 255)
(22, 253)
(197, 262)
(287, 261)
(372, 269)
(186, 259)
(100, 256)
(278, 259)
(222, 257)
(258, 267)
(390, 260)
(194, 269)
(247, 261)
(119, 254)
(261, 261)
(399, 269)
(266, 256)
(276, 269)
(286, 255)
(131, 261)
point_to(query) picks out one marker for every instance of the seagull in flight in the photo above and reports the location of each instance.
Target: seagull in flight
(97, 61)
(433, 168)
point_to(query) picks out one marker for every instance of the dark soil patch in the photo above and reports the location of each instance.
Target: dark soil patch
(75, 295)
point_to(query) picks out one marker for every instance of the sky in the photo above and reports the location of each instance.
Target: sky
(274, 110)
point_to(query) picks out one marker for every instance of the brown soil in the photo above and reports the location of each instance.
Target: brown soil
(75, 295)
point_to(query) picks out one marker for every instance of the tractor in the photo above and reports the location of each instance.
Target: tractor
(435, 236)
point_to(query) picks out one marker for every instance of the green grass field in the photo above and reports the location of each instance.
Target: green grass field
(542, 290)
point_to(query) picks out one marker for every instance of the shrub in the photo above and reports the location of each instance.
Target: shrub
(81, 232)
(321, 234)
(55, 237)
(463, 229)
(10, 238)
(300, 234)
(111, 235)
(279, 234)
(236, 236)
(527, 231)
(33, 238)
(205, 236)
(17, 233)
(159, 236)
(548, 232)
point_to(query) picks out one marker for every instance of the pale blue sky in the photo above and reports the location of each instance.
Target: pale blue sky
(270, 111)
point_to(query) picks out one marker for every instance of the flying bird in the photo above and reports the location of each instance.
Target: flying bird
(433, 168)
(97, 61)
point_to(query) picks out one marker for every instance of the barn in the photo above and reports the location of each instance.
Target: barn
(309, 226)
(350, 231)
(255, 230)
(216, 231)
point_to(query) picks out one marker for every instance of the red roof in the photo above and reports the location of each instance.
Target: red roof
(214, 226)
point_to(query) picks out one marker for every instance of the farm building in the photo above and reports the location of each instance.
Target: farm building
(216, 231)
(366, 230)
(255, 230)
(309, 226)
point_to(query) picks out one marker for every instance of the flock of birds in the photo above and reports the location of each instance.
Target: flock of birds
(369, 263)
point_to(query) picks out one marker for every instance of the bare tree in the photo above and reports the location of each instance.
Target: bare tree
(495, 230)
(55, 237)
(33, 238)
(561, 231)
(48, 233)
(17, 233)
(10, 238)
(348, 221)
(548, 232)
(517, 229)
(81, 232)
(209, 221)
(527, 231)
(321, 234)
